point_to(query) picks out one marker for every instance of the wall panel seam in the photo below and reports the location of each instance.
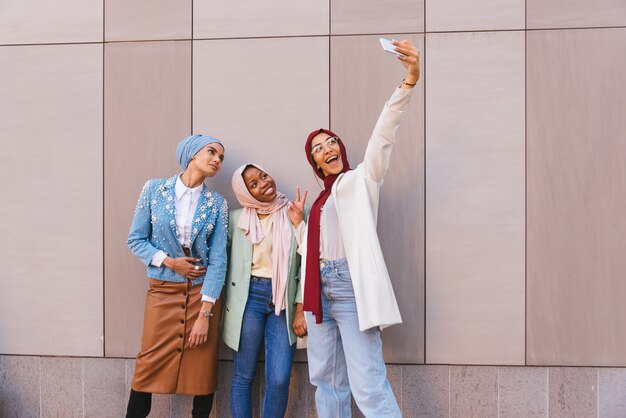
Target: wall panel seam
(54, 43)
(548, 392)
(597, 392)
(316, 36)
(103, 339)
(449, 391)
(40, 385)
(330, 38)
(575, 28)
(192, 70)
(82, 384)
(424, 182)
(498, 391)
(525, 191)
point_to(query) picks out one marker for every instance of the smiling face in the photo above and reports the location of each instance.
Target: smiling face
(327, 153)
(260, 184)
(208, 160)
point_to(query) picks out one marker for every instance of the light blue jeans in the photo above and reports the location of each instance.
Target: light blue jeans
(342, 358)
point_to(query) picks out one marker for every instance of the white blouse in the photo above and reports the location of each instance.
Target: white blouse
(331, 244)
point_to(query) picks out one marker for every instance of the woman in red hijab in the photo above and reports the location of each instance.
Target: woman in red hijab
(348, 296)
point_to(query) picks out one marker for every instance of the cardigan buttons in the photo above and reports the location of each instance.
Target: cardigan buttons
(233, 283)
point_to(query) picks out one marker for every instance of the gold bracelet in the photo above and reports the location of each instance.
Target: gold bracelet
(408, 84)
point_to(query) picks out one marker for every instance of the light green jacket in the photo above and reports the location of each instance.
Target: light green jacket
(238, 283)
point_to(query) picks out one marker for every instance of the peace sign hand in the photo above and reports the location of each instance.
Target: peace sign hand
(296, 208)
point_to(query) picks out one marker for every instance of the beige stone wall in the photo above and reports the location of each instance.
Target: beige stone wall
(502, 217)
(98, 387)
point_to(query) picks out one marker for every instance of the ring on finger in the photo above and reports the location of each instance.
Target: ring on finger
(196, 268)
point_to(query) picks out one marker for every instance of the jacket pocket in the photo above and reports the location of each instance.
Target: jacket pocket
(373, 257)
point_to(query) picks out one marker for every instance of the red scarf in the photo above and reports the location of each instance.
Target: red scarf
(312, 287)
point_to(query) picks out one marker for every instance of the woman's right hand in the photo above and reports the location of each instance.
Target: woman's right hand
(185, 267)
(410, 60)
(296, 208)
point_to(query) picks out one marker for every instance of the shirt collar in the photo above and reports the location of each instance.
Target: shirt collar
(180, 189)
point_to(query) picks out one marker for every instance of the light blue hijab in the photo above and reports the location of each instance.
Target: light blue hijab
(189, 146)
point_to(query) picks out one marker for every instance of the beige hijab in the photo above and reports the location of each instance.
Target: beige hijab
(250, 223)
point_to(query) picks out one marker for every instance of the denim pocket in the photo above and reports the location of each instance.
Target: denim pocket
(344, 274)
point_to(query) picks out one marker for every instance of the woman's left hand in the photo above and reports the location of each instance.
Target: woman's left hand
(299, 323)
(411, 60)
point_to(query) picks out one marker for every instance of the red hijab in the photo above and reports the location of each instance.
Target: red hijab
(312, 287)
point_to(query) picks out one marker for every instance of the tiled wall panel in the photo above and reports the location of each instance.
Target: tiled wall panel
(473, 391)
(41, 21)
(20, 387)
(248, 18)
(425, 391)
(51, 214)
(363, 77)
(611, 390)
(262, 116)
(376, 16)
(575, 13)
(572, 392)
(104, 389)
(262, 96)
(522, 392)
(61, 387)
(33, 386)
(475, 198)
(463, 15)
(147, 19)
(147, 111)
(576, 200)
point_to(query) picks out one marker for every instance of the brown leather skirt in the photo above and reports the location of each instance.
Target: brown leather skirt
(165, 363)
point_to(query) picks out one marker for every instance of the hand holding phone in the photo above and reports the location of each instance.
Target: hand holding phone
(390, 47)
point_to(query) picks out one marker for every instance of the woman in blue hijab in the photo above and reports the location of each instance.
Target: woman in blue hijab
(179, 232)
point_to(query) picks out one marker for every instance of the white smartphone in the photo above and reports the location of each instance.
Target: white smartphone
(390, 47)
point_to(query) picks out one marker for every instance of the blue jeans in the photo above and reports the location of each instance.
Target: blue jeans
(260, 321)
(343, 358)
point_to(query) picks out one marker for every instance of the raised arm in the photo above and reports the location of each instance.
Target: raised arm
(379, 147)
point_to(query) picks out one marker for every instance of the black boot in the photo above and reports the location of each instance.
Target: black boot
(202, 405)
(139, 404)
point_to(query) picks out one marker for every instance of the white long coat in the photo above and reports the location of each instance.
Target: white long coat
(356, 195)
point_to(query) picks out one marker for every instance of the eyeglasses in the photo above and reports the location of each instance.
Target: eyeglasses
(330, 142)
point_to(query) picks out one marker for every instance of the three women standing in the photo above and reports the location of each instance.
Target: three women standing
(179, 232)
(348, 296)
(264, 299)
